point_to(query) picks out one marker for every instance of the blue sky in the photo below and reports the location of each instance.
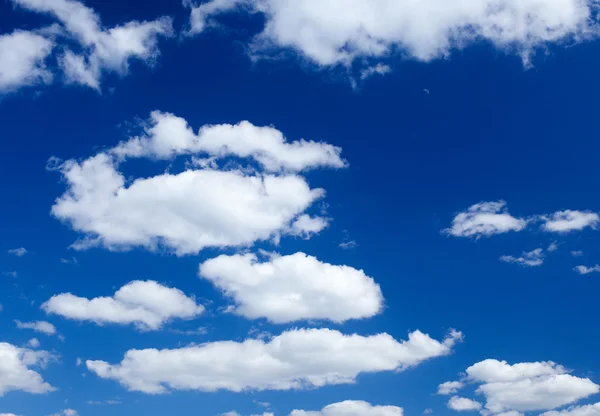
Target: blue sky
(310, 208)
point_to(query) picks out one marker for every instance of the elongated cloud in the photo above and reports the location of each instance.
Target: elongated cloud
(38, 326)
(449, 387)
(352, 408)
(587, 270)
(15, 374)
(588, 410)
(569, 220)
(294, 287)
(528, 258)
(485, 219)
(146, 304)
(296, 359)
(462, 404)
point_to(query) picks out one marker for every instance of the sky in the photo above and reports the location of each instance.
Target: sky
(299, 208)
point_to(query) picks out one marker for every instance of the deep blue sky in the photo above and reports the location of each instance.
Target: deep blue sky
(488, 130)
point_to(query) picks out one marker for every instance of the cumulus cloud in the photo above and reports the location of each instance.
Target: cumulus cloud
(569, 220)
(22, 60)
(528, 258)
(333, 32)
(38, 326)
(587, 270)
(167, 136)
(295, 287)
(449, 387)
(485, 219)
(146, 304)
(530, 386)
(352, 408)
(588, 410)
(462, 404)
(296, 359)
(19, 252)
(15, 374)
(102, 49)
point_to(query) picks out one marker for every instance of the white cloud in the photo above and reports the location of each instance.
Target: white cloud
(19, 252)
(588, 410)
(7, 414)
(296, 359)
(147, 304)
(332, 32)
(306, 226)
(15, 374)
(587, 270)
(295, 287)
(352, 408)
(485, 219)
(22, 60)
(33, 343)
(462, 404)
(529, 386)
(531, 258)
(569, 220)
(449, 387)
(66, 412)
(183, 212)
(576, 253)
(38, 326)
(103, 49)
(103, 402)
(167, 136)
(552, 247)
(379, 69)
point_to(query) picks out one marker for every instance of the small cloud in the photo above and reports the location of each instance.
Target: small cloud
(530, 259)
(379, 69)
(449, 387)
(552, 247)
(428, 411)
(19, 252)
(587, 270)
(576, 253)
(570, 220)
(346, 245)
(72, 260)
(462, 404)
(485, 219)
(10, 274)
(78, 362)
(38, 326)
(198, 331)
(33, 343)
(103, 402)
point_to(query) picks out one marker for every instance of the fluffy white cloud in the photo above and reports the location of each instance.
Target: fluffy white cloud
(352, 408)
(22, 60)
(331, 32)
(19, 252)
(528, 386)
(569, 220)
(462, 404)
(15, 374)
(528, 258)
(103, 49)
(587, 270)
(296, 359)
(485, 219)
(588, 410)
(167, 136)
(183, 212)
(295, 287)
(38, 326)
(147, 304)
(449, 387)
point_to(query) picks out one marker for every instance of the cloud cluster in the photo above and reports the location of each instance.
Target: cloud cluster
(87, 49)
(146, 304)
(338, 32)
(525, 387)
(15, 374)
(296, 359)
(295, 287)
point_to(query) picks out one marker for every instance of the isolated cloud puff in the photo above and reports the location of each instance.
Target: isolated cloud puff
(485, 219)
(38, 326)
(296, 359)
(462, 404)
(15, 374)
(22, 60)
(449, 387)
(570, 220)
(332, 32)
(295, 287)
(352, 408)
(146, 304)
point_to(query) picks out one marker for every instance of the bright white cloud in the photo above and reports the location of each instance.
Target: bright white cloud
(449, 387)
(588, 410)
(485, 219)
(587, 270)
(569, 220)
(527, 387)
(167, 136)
(352, 408)
(22, 60)
(332, 32)
(462, 404)
(19, 252)
(528, 258)
(183, 212)
(38, 326)
(103, 49)
(146, 304)
(296, 359)
(295, 287)
(15, 374)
